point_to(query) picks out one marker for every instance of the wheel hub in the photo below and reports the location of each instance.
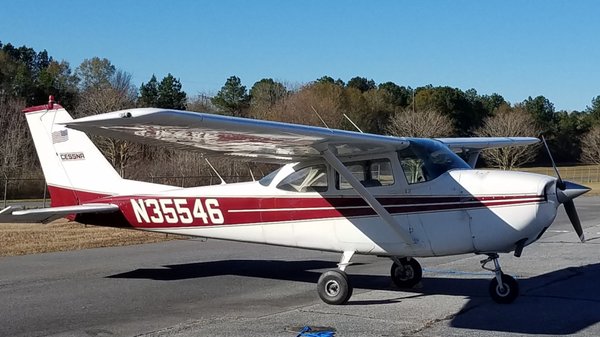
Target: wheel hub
(332, 288)
(502, 290)
(405, 273)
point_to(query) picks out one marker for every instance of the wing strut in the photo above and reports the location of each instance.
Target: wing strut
(368, 197)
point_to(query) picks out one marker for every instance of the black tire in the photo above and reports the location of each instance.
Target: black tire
(510, 293)
(333, 287)
(407, 275)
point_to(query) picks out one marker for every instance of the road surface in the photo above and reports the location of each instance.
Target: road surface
(219, 288)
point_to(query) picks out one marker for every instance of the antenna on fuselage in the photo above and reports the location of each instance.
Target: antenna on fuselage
(353, 124)
(322, 121)
(215, 171)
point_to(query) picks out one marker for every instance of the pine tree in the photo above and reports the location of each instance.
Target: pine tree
(149, 93)
(233, 98)
(170, 94)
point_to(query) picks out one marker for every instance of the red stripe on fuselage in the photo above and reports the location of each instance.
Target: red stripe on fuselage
(240, 211)
(252, 210)
(60, 196)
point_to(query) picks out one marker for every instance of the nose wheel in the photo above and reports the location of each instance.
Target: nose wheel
(333, 287)
(504, 289)
(405, 272)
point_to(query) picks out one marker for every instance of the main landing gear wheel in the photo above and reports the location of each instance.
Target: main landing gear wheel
(504, 289)
(333, 287)
(406, 272)
(505, 293)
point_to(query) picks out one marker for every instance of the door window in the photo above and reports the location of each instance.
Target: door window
(371, 173)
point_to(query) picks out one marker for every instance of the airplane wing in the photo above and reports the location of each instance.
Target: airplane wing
(481, 143)
(52, 213)
(472, 147)
(251, 139)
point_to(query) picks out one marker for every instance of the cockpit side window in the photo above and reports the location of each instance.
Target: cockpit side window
(425, 160)
(307, 179)
(371, 173)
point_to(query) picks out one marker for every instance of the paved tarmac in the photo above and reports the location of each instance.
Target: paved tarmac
(217, 288)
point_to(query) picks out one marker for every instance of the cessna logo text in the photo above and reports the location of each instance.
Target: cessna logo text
(72, 156)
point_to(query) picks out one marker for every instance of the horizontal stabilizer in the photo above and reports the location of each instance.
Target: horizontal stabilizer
(52, 213)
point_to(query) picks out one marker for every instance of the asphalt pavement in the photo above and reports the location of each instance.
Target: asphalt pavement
(218, 288)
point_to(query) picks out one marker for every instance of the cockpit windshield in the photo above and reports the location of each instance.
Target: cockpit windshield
(426, 159)
(266, 180)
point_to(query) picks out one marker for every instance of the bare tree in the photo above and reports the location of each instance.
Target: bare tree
(16, 147)
(590, 146)
(509, 122)
(201, 103)
(426, 123)
(327, 99)
(117, 94)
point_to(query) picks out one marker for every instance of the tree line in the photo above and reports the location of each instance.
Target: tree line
(96, 86)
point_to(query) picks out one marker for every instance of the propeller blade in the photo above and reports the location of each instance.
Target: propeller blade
(572, 214)
(566, 191)
(560, 183)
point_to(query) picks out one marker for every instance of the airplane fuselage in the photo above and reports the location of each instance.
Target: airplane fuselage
(463, 218)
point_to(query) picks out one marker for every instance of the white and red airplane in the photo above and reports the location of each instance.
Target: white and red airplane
(338, 191)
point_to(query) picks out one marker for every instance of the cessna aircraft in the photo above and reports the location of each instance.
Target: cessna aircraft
(339, 191)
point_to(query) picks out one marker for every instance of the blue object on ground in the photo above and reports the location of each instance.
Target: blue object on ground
(306, 332)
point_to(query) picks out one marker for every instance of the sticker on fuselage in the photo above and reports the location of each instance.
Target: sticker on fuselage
(72, 156)
(60, 136)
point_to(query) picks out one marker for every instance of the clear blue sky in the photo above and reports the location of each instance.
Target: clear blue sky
(515, 48)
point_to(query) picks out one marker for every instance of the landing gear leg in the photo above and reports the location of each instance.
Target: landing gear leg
(406, 272)
(333, 286)
(504, 289)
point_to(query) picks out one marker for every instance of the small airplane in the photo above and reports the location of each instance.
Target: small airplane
(338, 191)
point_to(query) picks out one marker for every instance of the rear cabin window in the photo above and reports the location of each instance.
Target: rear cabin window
(371, 173)
(307, 179)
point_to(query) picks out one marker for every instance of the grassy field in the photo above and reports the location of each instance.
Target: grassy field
(63, 235)
(588, 175)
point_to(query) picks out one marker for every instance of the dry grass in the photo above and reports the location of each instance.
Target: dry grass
(63, 235)
(588, 175)
(595, 189)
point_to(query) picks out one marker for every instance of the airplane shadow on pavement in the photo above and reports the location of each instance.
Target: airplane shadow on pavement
(557, 303)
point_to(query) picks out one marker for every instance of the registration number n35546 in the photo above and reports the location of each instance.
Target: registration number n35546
(177, 210)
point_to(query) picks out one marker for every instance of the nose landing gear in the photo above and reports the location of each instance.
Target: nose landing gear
(333, 286)
(504, 289)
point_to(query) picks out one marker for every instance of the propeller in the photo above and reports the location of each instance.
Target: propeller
(566, 191)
